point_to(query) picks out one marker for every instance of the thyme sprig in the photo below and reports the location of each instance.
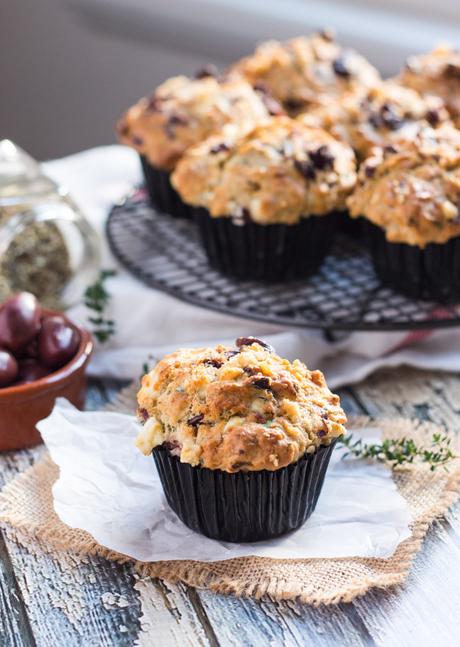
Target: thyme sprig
(97, 298)
(403, 451)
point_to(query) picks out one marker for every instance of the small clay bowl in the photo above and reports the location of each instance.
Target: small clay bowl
(22, 406)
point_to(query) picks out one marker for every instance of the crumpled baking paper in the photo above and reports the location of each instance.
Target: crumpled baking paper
(108, 488)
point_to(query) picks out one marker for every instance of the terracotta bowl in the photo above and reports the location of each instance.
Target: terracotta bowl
(22, 406)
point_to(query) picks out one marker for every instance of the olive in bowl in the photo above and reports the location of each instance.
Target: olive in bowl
(43, 356)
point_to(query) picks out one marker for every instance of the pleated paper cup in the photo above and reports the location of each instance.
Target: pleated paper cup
(431, 273)
(163, 196)
(243, 506)
(274, 252)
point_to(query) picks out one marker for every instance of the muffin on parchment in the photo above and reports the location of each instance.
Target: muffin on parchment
(384, 114)
(307, 71)
(180, 113)
(436, 73)
(241, 438)
(267, 202)
(409, 197)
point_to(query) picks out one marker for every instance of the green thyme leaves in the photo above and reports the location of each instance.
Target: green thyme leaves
(96, 299)
(403, 451)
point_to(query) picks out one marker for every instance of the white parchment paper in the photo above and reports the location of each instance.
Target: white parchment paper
(108, 488)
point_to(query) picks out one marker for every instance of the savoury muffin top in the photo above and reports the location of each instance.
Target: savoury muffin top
(235, 409)
(412, 190)
(184, 111)
(306, 71)
(436, 73)
(279, 172)
(385, 114)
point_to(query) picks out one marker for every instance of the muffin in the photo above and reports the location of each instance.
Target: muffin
(384, 114)
(181, 113)
(241, 438)
(409, 196)
(436, 73)
(267, 202)
(307, 71)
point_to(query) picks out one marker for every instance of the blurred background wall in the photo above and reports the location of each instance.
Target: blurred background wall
(68, 68)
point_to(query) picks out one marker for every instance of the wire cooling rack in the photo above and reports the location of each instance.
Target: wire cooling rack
(345, 294)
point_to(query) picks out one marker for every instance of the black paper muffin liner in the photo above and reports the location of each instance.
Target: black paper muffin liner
(243, 506)
(351, 227)
(432, 273)
(266, 252)
(163, 196)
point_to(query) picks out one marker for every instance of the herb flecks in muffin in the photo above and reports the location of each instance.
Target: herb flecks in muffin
(255, 411)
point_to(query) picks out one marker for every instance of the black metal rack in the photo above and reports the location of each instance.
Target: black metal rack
(345, 294)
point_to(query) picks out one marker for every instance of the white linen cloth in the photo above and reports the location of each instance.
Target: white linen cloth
(151, 323)
(121, 503)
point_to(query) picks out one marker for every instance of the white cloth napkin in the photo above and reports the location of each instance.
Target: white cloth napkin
(121, 503)
(151, 323)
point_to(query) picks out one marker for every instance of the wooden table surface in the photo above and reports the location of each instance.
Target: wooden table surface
(60, 600)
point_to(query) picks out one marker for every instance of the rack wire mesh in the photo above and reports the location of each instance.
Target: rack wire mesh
(345, 294)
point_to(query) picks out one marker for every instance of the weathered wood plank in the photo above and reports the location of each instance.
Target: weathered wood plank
(15, 629)
(169, 616)
(252, 623)
(423, 611)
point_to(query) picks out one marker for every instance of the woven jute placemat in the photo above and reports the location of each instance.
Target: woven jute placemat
(26, 504)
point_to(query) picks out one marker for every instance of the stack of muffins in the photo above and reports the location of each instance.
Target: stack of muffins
(272, 157)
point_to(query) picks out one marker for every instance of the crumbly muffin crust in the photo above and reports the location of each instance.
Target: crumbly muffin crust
(305, 71)
(233, 409)
(279, 172)
(184, 111)
(385, 114)
(412, 190)
(436, 73)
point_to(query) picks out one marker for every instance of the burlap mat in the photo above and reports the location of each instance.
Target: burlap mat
(26, 504)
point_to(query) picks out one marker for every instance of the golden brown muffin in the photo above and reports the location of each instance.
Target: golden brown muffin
(307, 71)
(385, 114)
(412, 190)
(436, 73)
(184, 111)
(235, 409)
(279, 172)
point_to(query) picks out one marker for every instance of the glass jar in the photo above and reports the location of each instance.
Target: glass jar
(47, 247)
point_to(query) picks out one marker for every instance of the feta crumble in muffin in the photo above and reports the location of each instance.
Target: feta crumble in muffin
(237, 409)
(307, 71)
(385, 114)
